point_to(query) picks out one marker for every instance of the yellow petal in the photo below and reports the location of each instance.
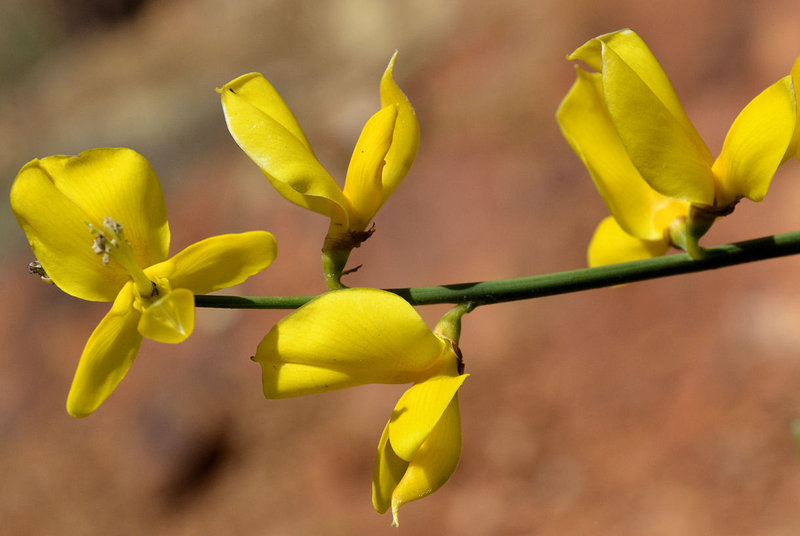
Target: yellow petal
(54, 198)
(387, 472)
(587, 127)
(107, 356)
(634, 53)
(218, 262)
(794, 146)
(345, 338)
(610, 245)
(168, 318)
(433, 462)
(57, 232)
(755, 144)
(405, 139)
(267, 132)
(418, 411)
(363, 186)
(660, 140)
(256, 90)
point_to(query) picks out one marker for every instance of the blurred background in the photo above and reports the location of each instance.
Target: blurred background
(659, 408)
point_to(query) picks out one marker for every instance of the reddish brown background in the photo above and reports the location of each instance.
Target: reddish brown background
(659, 408)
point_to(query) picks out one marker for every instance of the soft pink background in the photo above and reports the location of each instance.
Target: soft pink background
(659, 408)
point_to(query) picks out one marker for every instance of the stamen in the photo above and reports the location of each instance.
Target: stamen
(112, 225)
(100, 246)
(112, 244)
(35, 268)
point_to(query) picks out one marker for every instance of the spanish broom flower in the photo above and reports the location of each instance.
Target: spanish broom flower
(358, 336)
(98, 226)
(264, 127)
(658, 178)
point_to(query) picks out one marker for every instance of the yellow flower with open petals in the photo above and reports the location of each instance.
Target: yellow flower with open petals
(97, 224)
(358, 336)
(266, 130)
(653, 170)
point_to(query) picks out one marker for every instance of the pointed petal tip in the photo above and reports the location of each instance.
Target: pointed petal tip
(390, 66)
(239, 81)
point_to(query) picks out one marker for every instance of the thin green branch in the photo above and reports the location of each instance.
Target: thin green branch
(537, 286)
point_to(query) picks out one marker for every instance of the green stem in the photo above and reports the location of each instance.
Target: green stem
(333, 263)
(450, 324)
(537, 286)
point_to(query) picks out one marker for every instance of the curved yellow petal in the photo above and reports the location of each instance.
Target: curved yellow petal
(660, 140)
(256, 90)
(121, 184)
(267, 132)
(405, 139)
(59, 237)
(755, 144)
(588, 129)
(363, 186)
(636, 55)
(345, 338)
(108, 355)
(168, 318)
(433, 462)
(611, 244)
(54, 198)
(418, 411)
(218, 262)
(387, 472)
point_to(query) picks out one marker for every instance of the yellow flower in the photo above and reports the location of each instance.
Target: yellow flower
(97, 223)
(420, 445)
(653, 170)
(358, 336)
(268, 133)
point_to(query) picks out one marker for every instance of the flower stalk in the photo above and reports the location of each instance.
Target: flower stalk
(539, 286)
